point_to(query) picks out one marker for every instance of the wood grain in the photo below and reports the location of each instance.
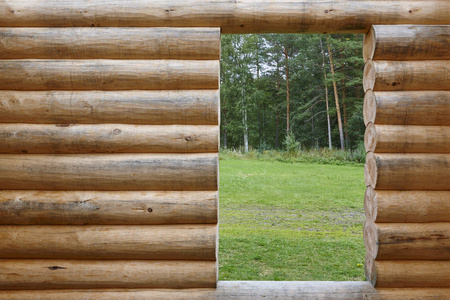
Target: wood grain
(21, 207)
(384, 206)
(245, 16)
(421, 75)
(407, 108)
(407, 42)
(110, 43)
(194, 107)
(107, 138)
(115, 172)
(47, 274)
(178, 242)
(107, 74)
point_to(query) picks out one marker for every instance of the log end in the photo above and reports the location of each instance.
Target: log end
(371, 238)
(370, 138)
(371, 174)
(369, 44)
(370, 203)
(369, 107)
(370, 270)
(369, 76)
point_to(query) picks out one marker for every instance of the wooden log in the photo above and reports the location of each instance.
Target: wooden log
(107, 208)
(412, 171)
(407, 42)
(114, 172)
(407, 108)
(409, 293)
(45, 274)
(407, 206)
(244, 290)
(109, 74)
(398, 241)
(196, 107)
(408, 273)
(246, 16)
(385, 75)
(181, 242)
(407, 139)
(107, 138)
(110, 43)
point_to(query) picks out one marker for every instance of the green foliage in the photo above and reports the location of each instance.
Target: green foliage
(320, 156)
(290, 143)
(298, 221)
(253, 83)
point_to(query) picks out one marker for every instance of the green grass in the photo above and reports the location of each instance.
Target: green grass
(290, 221)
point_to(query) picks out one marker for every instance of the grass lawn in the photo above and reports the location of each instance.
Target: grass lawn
(290, 221)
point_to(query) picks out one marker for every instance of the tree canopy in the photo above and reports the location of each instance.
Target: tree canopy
(274, 89)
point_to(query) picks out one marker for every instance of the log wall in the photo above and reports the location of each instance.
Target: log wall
(109, 144)
(407, 171)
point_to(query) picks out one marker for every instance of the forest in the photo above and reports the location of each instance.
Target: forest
(291, 91)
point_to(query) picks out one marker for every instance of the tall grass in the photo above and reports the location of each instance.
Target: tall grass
(321, 156)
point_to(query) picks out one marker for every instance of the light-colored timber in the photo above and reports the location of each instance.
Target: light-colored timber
(118, 172)
(196, 107)
(245, 16)
(107, 74)
(383, 206)
(410, 294)
(385, 75)
(92, 274)
(407, 108)
(110, 43)
(107, 208)
(183, 242)
(407, 139)
(407, 42)
(107, 138)
(410, 171)
(408, 273)
(243, 290)
(398, 241)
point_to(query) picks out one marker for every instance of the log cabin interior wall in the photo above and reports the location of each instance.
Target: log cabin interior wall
(108, 157)
(109, 136)
(407, 171)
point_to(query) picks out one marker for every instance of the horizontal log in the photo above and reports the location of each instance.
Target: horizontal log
(407, 42)
(407, 108)
(244, 290)
(410, 293)
(246, 16)
(42, 274)
(385, 75)
(107, 208)
(408, 273)
(114, 172)
(398, 241)
(107, 138)
(110, 43)
(195, 107)
(182, 242)
(108, 74)
(407, 206)
(407, 139)
(394, 171)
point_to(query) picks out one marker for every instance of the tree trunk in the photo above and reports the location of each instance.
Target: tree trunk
(287, 90)
(344, 106)
(244, 122)
(336, 97)
(326, 96)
